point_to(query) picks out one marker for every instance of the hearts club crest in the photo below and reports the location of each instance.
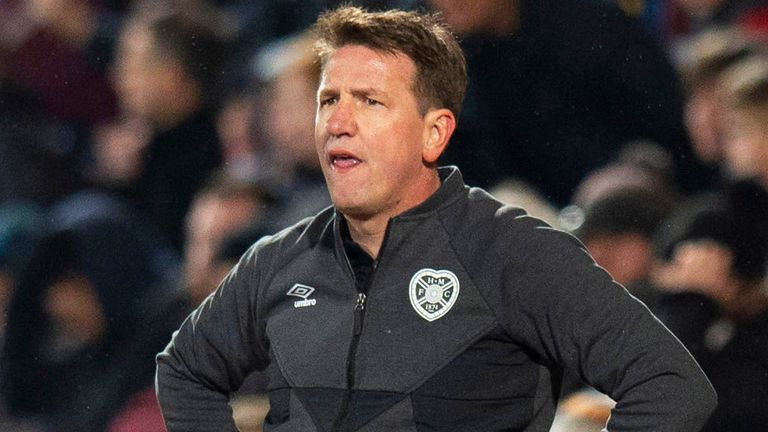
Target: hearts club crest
(433, 292)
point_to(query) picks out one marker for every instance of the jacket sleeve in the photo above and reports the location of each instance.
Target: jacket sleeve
(213, 351)
(577, 318)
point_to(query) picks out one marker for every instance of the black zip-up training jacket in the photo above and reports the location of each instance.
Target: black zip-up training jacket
(466, 322)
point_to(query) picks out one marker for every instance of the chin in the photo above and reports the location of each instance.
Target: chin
(356, 210)
(348, 208)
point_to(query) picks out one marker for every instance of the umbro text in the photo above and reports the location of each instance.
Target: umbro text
(304, 303)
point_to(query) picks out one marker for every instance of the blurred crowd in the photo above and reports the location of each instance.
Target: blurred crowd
(145, 145)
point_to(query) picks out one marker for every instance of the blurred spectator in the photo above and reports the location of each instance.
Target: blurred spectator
(555, 86)
(735, 218)
(618, 232)
(167, 70)
(20, 227)
(69, 360)
(745, 88)
(616, 212)
(222, 224)
(649, 12)
(702, 62)
(519, 194)
(232, 246)
(714, 257)
(755, 25)
(140, 413)
(245, 152)
(40, 157)
(63, 55)
(291, 74)
(689, 17)
(224, 206)
(638, 165)
(254, 24)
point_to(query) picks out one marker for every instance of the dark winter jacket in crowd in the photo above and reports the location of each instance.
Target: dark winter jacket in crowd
(79, 389)
(559, 97)
(733, 354)
(176, 165)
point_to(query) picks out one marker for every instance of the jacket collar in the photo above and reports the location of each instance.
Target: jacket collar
(451, 188)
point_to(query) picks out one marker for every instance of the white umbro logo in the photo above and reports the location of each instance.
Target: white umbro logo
(303, 292)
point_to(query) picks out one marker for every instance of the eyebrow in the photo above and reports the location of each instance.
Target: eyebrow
(326, 91)
(357, 92)
(366, 91)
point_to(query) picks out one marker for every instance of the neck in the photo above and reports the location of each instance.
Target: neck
(368, 231)
(178, 109)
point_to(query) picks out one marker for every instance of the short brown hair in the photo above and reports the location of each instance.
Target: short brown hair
(708, 55)
(441, 72)
(291, 54)
(746, 84)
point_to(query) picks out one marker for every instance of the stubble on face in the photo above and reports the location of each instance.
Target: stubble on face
(369, 134)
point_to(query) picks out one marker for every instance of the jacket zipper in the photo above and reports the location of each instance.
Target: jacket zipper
(359, 312)
(359, 315)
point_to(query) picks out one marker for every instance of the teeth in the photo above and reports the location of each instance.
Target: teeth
(345, 161)
(345, 158)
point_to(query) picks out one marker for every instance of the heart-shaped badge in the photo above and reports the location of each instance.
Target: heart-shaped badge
(433, 292)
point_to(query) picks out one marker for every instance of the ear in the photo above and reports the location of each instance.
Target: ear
(440, 124)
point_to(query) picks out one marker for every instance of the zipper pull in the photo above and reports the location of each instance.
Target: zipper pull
(359, 308)
(360, 303)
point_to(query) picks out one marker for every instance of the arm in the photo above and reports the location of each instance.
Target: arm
(212, 352)
(577, 318)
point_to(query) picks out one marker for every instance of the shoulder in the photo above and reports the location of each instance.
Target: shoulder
(489, 214)
(506, 233)
(294, 239)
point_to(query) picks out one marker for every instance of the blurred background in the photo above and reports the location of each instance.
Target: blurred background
(145, 145)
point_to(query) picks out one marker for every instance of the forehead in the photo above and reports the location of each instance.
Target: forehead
(751, 115)
(358, 65)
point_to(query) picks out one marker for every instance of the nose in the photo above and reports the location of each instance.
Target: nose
(341, 120)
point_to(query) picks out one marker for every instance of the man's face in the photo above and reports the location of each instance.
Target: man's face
(75, 311)
(290, 115)
(702, 119)
(746, 143)
(210, 220)
(144, 80)
(369, 133)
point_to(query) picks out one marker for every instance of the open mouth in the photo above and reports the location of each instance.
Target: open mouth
(343, 160)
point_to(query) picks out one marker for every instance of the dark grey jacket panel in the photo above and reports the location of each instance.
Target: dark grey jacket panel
(568, 311)
(523, 302)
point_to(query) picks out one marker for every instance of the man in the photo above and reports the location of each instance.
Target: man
(223, 207)
(416, 303)
(713, 253)
(166, 69)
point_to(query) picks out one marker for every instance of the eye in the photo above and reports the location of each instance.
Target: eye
(328, 101)
(372, 102)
